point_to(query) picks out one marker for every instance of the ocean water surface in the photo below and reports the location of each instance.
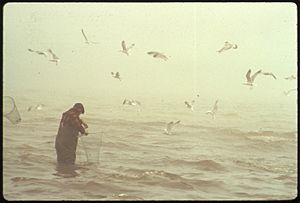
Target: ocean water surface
(248, 152)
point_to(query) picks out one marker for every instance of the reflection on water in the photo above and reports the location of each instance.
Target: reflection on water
(66, 170)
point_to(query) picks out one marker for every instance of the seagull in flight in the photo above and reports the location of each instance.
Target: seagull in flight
(86, 39)
(289, 91)
(190, 105)
(39, 52)
(116, 75)
(54, 57)
(170, 126)
(156, 54)
(265, 73)
(131, 102)
(228, 46)
(126, 49)
(292, 77)
(250, 80)
(214, 110)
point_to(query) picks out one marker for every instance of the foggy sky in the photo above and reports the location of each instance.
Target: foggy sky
(189, 33)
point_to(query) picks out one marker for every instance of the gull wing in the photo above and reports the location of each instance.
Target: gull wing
(290, 78)
(248, 75)
(215, 106)
(53, 55)
(30, 50)
(132, 45)
(254, 75)
(41, 53)
(164, 57)
(273, 76)
(170, 126)
(86, 40)
(221, 50)
(137, 102)
(177, 122)
(270, 74)
(151, 52)
(291, 90)
(117, 74)
(124, 45)
(157, 55)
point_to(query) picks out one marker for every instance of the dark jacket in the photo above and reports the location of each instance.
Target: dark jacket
(67, 136)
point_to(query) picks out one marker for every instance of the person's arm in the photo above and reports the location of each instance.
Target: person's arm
(77, 123)
(84, 124)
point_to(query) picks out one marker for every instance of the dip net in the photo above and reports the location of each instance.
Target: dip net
(10, 110)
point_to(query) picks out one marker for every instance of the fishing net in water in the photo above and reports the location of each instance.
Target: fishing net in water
(10, 110)
(89, 148)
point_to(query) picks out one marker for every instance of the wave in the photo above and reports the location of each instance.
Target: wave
(143, 174)
(206, 165)
(260, 165)
(166, 179)
(270, 136)
(96, 186)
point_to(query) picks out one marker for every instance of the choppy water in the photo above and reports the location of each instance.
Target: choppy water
(248, 152)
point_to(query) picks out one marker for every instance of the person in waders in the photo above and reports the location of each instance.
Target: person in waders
(67, 136)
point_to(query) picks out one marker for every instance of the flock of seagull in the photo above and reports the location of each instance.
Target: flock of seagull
(155, 54)
(190, 105)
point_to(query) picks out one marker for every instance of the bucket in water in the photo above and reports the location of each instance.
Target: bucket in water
(10, 110)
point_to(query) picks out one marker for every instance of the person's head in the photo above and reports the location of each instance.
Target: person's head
(79, 108)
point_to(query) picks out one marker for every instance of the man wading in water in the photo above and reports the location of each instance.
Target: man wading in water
(67, 136)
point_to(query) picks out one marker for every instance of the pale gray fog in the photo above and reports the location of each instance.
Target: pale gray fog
(179, 61)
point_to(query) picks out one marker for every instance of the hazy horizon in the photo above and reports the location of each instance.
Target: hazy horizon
(188, 33)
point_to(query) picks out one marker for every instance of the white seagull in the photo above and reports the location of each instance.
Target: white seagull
(250, 80)
(39, 52)
(214, 110)
(54, 57)
(170, 126)
(126, 49)
(227, 46)
(156, 54)
(292, 77)
(39, 106)
(190, 105)
(116, 75)
(131, 102)
(86, 39)
(265, 73)
(289, 91)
